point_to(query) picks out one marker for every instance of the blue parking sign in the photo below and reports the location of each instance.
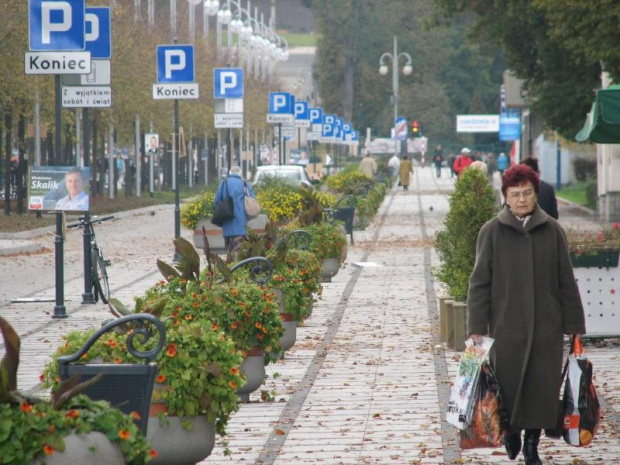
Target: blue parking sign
(98, 33)
(329, 119)
(328, 130)
(302, 112)
(281, 103)
(56, 25)
(228, 83)
(316, 115)
(175, 64)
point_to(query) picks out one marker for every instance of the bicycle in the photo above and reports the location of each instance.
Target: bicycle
(98, 272)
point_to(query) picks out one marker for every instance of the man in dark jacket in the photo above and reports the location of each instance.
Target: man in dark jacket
(546, 194)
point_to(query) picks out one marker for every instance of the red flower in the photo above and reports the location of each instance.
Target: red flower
(124, 434)
(136, 416)
(48, 450)
(153, 453)
(26, 407)
(232, 384)
(160, 378)
(72, 413)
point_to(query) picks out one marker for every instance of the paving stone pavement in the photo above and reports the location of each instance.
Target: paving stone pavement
(367, 380)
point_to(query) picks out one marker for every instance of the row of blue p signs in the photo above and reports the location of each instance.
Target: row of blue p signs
(284, 103)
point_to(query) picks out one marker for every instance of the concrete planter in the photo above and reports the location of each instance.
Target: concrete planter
(329, 268)
(174, 444)
(214, 233)
(94, 448)
(290, 331)
(253, 368)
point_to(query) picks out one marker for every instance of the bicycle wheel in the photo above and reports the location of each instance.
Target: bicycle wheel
(100, 276)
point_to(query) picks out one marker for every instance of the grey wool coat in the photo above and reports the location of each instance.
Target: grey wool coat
(523, 293)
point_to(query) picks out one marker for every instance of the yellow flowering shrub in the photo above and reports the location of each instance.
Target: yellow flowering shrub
(343, 180)
(326, 199)
(280, 204)
(198, 209)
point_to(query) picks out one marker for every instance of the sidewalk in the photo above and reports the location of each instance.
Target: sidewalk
(367, 381)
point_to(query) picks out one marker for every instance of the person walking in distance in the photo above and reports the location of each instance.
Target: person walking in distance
(394, 164)
(368, 166)
(462, 161)
(234, 230)
(502, 163)
(523, 293)
(404, 171)
(546, 195)
(491, 165)
(438, 159)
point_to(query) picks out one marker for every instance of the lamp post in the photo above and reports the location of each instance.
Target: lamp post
(383, 70)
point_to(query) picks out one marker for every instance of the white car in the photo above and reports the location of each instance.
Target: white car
(295, 175)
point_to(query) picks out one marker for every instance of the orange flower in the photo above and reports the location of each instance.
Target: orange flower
(234, 326)
(177, 308)
(175, 314)
(85, 355)
(118, 360)
(196, 304)
(51, 429)
(257, 325)
(265, 330)
(48, 450)
(26, 407)
(72, 413)
(153, 453)
(234, 371)
(172, 350)
(260, 337)
(232, 384)
(124, 434)
(160, 378)
(189, 317)
(194, 295)
(136, 416)
(111, 343)
(214, 327)
(183, 280)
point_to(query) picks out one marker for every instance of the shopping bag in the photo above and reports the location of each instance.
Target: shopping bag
(489, 421)
(223, 210)
(252, 207)
(582, 410)
(462, 399)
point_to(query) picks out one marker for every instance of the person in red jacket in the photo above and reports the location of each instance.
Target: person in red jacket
(462, 161)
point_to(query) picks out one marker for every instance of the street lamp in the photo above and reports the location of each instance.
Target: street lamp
(383, 70)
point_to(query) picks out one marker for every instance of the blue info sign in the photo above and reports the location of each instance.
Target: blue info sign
(175, 63)
(281, 103)
(56, 25)
(98, 33)
(228, 83)
(302, 112)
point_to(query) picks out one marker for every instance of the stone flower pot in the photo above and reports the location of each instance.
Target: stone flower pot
(174, 444)
(329, 269)
(253, 368)
(290, 331)
(93, 448)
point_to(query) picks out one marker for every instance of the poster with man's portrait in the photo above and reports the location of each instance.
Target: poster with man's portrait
(58, 188)
(151, 143)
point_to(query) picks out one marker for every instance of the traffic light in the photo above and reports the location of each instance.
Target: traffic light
(416, 131)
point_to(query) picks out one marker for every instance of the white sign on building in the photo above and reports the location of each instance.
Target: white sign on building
(477, 123)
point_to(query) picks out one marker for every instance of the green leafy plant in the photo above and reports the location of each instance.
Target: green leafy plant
(327, 240)
(471, 205)
(32, 428)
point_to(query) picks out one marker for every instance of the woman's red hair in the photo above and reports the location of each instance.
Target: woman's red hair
(517, 176)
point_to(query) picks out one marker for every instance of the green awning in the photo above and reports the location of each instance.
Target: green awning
(603, 122)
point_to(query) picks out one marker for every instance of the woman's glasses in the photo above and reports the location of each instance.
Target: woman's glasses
(525, 194)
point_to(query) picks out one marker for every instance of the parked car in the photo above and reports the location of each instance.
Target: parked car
(296, 175)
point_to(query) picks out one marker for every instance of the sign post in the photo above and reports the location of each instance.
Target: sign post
(175, 80)
(228, 95)
(56, 37)
(281, 110)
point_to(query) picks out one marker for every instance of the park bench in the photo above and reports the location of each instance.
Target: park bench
(127, 387)
(344, 210)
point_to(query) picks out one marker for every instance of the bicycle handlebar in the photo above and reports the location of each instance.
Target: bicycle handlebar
(92, 219)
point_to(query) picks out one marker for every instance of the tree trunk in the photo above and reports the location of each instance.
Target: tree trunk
(8, 124)
(22, 168)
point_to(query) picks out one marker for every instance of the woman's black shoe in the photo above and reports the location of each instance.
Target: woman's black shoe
(530, 447)
(512, 441)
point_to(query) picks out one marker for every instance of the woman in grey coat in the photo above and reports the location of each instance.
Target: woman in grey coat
(523, 294)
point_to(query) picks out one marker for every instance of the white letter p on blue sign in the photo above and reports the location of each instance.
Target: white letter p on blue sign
(228, 83)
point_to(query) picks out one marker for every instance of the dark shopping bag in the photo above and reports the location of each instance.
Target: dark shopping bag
(580, 410)
(489, 422)
(224, 210)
